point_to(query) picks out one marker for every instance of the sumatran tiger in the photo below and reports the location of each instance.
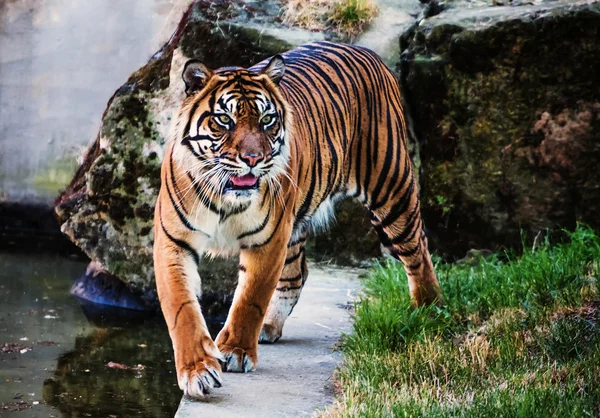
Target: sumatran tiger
(257, 158)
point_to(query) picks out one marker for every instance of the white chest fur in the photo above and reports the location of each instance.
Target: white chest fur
(224, 234)
(221, 233)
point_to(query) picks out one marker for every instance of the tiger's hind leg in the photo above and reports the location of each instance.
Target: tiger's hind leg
(399, 226)
(287, 292)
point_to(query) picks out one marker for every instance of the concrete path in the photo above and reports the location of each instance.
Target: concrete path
(294, 375)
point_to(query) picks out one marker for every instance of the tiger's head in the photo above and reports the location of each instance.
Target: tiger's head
(231, 134)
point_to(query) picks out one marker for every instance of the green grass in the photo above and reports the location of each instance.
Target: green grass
(519, 336)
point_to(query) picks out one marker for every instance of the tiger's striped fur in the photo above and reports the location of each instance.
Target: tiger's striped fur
(256, 160)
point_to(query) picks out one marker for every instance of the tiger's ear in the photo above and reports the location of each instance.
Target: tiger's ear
(275, 69)
(195, 76)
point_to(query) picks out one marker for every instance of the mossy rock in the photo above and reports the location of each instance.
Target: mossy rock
(506, 107)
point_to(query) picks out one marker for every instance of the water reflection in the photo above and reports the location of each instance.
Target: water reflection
(121, 372)
(71, 345)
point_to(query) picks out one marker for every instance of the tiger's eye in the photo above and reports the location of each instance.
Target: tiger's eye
(267, 119)
(224, 119)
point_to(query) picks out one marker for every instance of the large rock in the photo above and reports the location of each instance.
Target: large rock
(107, 210)
(506, 105)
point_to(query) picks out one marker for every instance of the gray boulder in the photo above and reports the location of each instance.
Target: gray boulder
(506, 107)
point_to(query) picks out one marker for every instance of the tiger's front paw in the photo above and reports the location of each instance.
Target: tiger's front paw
(198, 373)
(236, 358)
(199, 377)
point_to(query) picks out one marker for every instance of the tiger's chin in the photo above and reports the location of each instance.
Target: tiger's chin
(239, 197)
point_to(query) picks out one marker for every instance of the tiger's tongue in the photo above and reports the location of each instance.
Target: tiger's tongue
(244, 181)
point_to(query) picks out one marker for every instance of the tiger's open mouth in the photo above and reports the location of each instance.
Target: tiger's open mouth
(245, 182)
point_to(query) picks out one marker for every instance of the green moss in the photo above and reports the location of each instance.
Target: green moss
(124, 181)
(152, 77)
(438, 40)
(231, 45)
(350, 239)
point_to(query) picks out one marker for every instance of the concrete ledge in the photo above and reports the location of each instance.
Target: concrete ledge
(294, 375)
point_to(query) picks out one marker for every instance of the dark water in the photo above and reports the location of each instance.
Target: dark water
(66, 370)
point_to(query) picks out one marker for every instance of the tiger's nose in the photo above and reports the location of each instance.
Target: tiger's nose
(252, 159)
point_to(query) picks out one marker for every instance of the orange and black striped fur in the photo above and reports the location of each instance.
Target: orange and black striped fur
(257, 158)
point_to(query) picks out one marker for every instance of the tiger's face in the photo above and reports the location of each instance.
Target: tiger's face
(232, 130)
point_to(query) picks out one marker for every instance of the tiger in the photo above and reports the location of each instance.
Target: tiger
(255, 162)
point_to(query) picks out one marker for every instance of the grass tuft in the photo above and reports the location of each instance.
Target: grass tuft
(519, 336)
(351, 17)
(346, 18)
